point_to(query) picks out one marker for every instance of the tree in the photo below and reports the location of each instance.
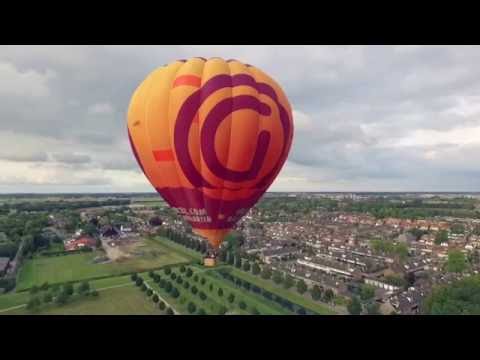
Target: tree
(367, 292)
(169, 311)
(149, 292)
(301, 311)
(354, 306)
(44, 286)
(34, 289)
(94, 293)
(162, 283)
(373, 308)
(186, 284)
(288, 282)
(456, 263)
(155, 298)
(161, 305)
(222, 310)
(139, 281)
(461, 297)
(83, 288)
(316, 293)
(201, 312)
(194, 290)
(173, 276)
(195, 278)
(441, 237)
(189, 272)
(254, 311)
(182, 269)
(134, 277)
(47, 298)
(167, 271)
(277, 277)
(191, 307)
(246, 266)
(329, 295)
(458, 228)
(230, 258)
(210, 287)
(220, 292)
(175, 293)
(238, 262)
(266, 273)
(242, 305)
(231, 298)
(143, 287)
(34, 303)
(61, 298)
(68, 289)
(202, 296)
(301, 286)
(150, 274)
(222, 256)
(168, 286)
(179, 280)
(256, 269)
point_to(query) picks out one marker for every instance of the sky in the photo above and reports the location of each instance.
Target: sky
(367, 118)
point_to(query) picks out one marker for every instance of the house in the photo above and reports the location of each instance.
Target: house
(4, 261)
(110, 232)
(80, 243)
(268, 255)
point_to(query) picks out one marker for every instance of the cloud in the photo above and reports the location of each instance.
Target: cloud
(29, 83)
(366, 117)
(72, 158)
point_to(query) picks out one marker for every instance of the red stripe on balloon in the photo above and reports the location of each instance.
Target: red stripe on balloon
(191, 80)
(163, 155)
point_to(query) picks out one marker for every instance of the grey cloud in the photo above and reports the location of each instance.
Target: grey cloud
(359, 99)
(25, 156)
(72, 158)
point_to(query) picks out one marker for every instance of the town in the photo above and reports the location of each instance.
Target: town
(351, 253)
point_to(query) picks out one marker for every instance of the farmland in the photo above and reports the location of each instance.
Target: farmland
(122, 300)
(81, 266)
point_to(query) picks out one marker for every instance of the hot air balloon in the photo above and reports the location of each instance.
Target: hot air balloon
(211, 136)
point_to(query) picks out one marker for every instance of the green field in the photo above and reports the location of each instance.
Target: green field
(288, 294)
(192, 254)
(78, 267)
(124, 300)
(13, 299)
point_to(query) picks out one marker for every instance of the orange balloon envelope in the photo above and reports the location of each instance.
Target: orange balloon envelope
(210, 136)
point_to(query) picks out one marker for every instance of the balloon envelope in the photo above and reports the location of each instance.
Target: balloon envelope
(210, 136)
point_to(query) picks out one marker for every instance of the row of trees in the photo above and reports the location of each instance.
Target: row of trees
(185, 240)
(265, 293)
(53, 206)
(140, 283)
(58, 295)
(278, 277)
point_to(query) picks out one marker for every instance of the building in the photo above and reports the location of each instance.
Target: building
(80, 243)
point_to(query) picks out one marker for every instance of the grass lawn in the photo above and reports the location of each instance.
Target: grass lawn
(13, 299)
(125, 300)
(78, 267)
(279, 290)
(194, 255)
